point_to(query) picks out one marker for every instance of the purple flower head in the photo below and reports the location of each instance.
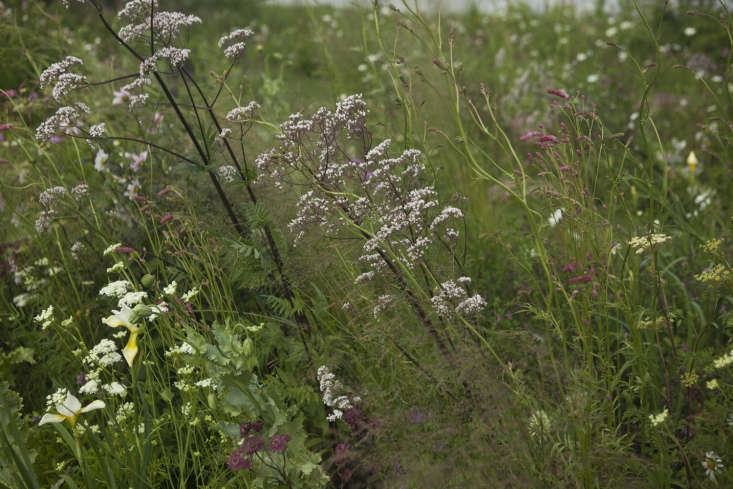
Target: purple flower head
(529, 135)
(558, 93)
(124, 249)
(279, 443)
(252, 444)
(549, 138)
(164, 220)
(245, 428)
(341, 453)
(81, 378)
(354, 418)
(237, 462)
(257, 427)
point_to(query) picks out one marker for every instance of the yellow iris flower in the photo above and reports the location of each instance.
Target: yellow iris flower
(122, 318)
(69, 410)
(692, 162)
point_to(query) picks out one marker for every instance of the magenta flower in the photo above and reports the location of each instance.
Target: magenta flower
(558, 93)
(279, 443)
(529, 135)
(354, 418)
(237, 462)
(251, 445)
(341, 453)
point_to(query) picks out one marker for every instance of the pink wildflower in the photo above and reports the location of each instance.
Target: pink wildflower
(558, 93)
(529, 135)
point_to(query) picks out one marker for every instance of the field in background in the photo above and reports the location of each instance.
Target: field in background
(528, 286)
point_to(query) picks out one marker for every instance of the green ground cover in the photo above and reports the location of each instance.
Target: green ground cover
(365, 247)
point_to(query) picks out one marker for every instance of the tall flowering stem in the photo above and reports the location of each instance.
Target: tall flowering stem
(356, 188)
(163, 27)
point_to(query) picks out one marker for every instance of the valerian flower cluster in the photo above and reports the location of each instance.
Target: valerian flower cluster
(356, 188)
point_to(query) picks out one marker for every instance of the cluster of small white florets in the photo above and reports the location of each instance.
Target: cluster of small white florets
(227, 172)
(453, 296)
(166, 26)
(59, 74)
(97, 130)
(56, 398)
(135, 9)
(62, 121)
(644, 243)
(116, 289)
(236, 41)
(243, 114)
(44, 221)
(331, 394)
(133, 92)
(175, 56)
(49, 196)
(103, 354)
(371, 190)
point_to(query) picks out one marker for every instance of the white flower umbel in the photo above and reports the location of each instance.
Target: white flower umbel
(62, 121)
(45, 318)
(103, 354)
(69, 410)
(243, 114)
(116, 289)
(657, 419)
(645, 243)
(115, 389)
(131, 299)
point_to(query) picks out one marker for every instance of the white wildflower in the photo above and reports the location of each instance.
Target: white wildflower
(115, 389)
(90, 387)
(712, 465)
(657, 419)
(116, 289)
(190, 294)
(111, 248)
(130, 299)
(45, 318)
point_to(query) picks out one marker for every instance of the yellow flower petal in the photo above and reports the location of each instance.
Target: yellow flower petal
(130, 350)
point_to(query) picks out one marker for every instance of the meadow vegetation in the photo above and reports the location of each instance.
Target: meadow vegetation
(262, 246)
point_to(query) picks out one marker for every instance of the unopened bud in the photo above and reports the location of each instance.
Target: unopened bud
(147, 280)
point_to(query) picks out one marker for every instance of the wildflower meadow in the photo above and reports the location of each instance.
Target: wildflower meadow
(409, 245)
